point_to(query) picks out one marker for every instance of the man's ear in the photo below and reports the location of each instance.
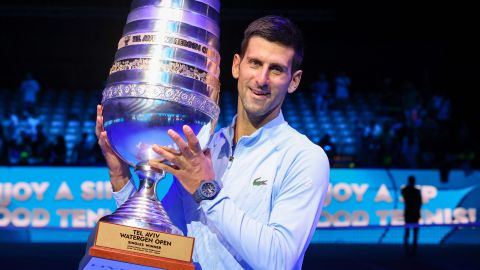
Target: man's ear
(236, 65)
(296, 77)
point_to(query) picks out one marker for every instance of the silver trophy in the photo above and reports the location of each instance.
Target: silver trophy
(165, 75)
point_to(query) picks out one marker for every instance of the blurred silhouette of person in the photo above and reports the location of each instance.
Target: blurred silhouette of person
(24, 145)
(329, 147)
(342, 91)
(387, 95)
(413, 202)
(82, 153)
(32, 123)
(29, 89)
(441, 106)
(59, 151)
(3, 147)
(411, 102)
(410, 149)
(320, 89)
(372, 135)
(40, 146)
(445, 164)
(12, 128)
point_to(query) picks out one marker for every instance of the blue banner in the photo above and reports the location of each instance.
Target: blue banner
(366, 206)
(55, 204)
(63, 204)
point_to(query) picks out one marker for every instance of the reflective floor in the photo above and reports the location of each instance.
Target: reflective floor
(67, 256)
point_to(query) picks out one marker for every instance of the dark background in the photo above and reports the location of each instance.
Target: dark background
(71, 44)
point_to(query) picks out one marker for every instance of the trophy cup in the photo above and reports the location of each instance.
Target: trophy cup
(165, 75)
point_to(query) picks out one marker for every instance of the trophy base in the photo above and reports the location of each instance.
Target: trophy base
(142, 246)
(138, 259)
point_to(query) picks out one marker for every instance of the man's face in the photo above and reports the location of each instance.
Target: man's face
(264, 77)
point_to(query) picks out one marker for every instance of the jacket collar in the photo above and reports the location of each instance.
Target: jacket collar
(228, 132)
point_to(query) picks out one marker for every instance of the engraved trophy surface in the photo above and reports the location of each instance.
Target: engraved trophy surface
(165, 75)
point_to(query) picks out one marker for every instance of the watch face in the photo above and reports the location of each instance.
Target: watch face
(208, 190)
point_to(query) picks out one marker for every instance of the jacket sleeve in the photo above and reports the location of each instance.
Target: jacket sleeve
(123, 194)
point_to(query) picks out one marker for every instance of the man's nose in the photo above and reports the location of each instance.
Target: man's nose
(262, 77)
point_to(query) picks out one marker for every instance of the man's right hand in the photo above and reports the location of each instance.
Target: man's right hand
(119, 170)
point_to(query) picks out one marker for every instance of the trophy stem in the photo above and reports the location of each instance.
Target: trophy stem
(148, 180)
(143, 209)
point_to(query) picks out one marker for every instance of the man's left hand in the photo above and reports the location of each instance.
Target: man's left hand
(191, 165)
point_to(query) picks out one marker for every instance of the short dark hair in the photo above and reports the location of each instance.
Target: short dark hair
(276, 29)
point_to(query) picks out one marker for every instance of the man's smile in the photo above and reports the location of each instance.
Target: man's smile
(258, 92)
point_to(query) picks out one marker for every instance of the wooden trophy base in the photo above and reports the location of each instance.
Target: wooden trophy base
(140, 259)
(143, 247)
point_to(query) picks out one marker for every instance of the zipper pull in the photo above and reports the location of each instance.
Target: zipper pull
(233, 152)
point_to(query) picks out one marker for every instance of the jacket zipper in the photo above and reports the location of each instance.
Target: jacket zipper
(233, 152)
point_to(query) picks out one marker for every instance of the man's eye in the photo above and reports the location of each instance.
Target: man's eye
(254, 63)
(277, 70)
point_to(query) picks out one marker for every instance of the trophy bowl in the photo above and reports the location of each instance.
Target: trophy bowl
(134, 124)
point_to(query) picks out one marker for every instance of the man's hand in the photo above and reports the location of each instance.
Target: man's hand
(119, 170)
(191, 165)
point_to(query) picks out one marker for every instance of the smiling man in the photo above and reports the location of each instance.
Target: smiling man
(253, 199)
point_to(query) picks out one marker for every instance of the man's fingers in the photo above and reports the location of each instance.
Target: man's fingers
(182, 145)
(192, 140)
(158, 165)
(170, 150)
(171, 156)
(99, 110)
(104, 142)
(105, 138)
(99, 126)
(207, 153)
(99, 122)
(102, 138)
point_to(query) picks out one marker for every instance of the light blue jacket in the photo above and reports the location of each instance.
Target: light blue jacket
(266, 213)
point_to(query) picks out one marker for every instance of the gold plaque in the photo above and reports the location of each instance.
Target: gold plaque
(144, 241)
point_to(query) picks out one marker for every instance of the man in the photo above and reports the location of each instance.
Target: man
(320, 88)
(271, 180)
(413, 202)
(29, 88)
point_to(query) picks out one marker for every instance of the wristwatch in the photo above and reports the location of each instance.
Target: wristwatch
(207, 190)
